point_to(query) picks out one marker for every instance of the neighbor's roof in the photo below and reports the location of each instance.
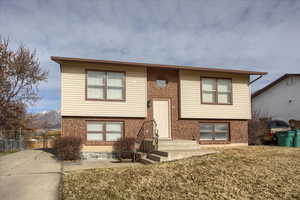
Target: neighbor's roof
(255, 94)
(61, 60)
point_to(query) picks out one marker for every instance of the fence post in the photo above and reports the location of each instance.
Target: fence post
(20, 147)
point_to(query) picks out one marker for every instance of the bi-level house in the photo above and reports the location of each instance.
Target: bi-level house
(103, 101)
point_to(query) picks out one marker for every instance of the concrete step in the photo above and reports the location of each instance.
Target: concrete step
(147, 161)
(161, 153)
(177, 142)
(179, 154)
(174, 150)
(157, 157)
(177, 147)
(169, 155)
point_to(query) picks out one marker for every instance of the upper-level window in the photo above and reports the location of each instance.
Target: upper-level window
(216, 91)
(102, 85)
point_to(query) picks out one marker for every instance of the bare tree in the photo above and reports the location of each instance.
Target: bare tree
(20, 74)
(258, 126)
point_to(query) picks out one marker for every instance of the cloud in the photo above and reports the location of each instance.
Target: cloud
(252, 35)
(44, 104)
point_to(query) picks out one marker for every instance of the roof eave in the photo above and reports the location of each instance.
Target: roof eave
(61, 60)
(270, 85)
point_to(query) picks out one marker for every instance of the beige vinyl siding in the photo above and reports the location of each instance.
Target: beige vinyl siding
(190, 99)
(73, 85)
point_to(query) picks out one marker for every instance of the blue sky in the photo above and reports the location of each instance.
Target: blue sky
(253, 35)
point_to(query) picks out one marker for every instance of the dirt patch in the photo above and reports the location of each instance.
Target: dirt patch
(240, 173)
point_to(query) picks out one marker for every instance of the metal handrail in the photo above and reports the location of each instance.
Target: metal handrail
(155, 136)
(141, 131)
(141, 135)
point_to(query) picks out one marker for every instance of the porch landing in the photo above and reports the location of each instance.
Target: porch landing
(169, 150)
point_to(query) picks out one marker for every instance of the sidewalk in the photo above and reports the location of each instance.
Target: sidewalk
(29, 175)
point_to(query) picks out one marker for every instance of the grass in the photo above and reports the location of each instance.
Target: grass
(240, 173)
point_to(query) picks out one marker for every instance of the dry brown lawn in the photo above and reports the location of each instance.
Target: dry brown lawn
(240, 173)
(7, 153)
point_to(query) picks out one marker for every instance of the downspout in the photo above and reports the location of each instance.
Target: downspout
(260, 76)
(61, 101)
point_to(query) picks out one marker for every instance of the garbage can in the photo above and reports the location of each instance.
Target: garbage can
(285, 138)
(297, 138)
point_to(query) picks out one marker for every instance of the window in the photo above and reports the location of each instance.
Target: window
(96, 84)
(104, 131)
(95, 131)
(209, 90)
(216, 91)
(161, 83)
(115, 85)
(105, 85)
(214, 131)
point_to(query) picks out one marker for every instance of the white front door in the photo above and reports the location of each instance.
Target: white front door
(161, 114)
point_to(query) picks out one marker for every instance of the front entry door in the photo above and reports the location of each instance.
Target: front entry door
(161, 114)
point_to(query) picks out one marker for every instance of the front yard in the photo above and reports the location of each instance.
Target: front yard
(240, 173)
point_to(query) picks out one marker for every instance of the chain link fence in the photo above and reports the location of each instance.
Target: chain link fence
(17, 140)
(7, 145)
(11, 140)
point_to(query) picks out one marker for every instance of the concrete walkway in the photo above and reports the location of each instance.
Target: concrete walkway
(30, 174)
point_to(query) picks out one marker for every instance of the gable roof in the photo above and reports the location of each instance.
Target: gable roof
(61, 60)
(270, 85)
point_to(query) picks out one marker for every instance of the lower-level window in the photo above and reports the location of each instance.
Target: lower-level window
(104, 131)
(214, 131)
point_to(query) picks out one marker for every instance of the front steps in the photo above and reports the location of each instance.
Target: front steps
(177, 144)
(147, 161)
(173, 150)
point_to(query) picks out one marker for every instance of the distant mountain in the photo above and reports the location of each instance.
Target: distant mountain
(45, 120)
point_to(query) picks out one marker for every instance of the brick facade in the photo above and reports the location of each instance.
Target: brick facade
(76, 126)
(180, 128)
(186, 128)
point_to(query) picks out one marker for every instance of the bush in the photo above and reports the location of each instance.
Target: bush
(258, 128)
(125, 147)
(68, 147)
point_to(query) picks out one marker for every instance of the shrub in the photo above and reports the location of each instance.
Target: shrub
(125, 147)
(68, 147)
(258, 127)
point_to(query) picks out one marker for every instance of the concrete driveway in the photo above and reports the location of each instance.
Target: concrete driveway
(30, 174)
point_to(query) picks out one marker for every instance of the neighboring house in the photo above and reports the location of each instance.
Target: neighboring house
(102, 101)
(279, 99)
